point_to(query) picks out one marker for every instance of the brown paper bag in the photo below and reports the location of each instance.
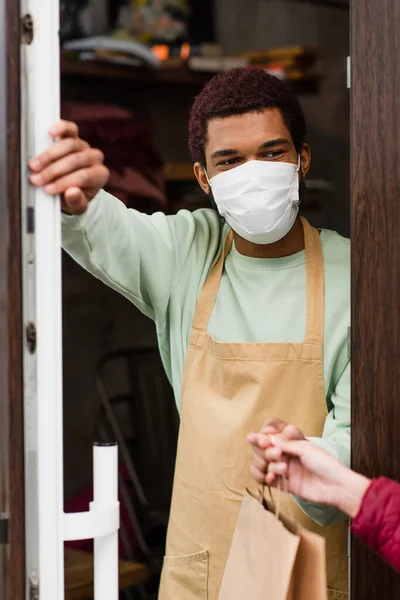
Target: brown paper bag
(272, 558)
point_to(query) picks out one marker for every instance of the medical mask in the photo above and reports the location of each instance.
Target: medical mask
(259, 199)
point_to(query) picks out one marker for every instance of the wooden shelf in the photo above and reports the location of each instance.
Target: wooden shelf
(182, 172)
(72, 68)
(98, 70)
(332, 3)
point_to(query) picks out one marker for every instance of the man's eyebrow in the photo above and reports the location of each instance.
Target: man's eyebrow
(224, 153)
(233, 151)
(273, 143)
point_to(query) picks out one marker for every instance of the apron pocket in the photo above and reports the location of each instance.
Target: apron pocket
(185, 577)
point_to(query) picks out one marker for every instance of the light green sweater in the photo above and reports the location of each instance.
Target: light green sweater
(160, 263)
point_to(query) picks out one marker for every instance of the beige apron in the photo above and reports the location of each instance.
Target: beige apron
(228, 391)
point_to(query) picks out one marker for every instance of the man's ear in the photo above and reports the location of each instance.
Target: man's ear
(305, 159)
(201, 177)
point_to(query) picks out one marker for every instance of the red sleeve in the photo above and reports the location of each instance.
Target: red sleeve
(378, 522)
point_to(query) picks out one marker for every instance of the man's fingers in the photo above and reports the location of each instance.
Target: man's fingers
(252, 438)
(69, 164)
(259, 476)
(269, 431)
(57, 151)
(270, 479)
(264, 442)
(273, 454)
(64, 129)
(259, 440)
(273, 426)
(70, 168)
(290, 432)
(74, 201)
(260, 452)
(276, 426)
(92, 177)
(260, 463)
(278, 468)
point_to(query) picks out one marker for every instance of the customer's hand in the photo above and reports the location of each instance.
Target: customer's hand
(69, 167)
(260, 442)
(314, 475)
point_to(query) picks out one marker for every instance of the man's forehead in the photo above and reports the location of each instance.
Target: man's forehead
(253, 128)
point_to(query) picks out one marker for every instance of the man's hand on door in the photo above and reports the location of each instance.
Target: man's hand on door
(261, 442)
(69, 167)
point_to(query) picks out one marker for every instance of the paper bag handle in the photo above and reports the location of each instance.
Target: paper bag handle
(277, 504)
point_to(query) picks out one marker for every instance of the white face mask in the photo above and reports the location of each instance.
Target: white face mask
(259, 199)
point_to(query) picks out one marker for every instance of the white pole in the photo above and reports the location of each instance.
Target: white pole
(105, 475)
(101, 522)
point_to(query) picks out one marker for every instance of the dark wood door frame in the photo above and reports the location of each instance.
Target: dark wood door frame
(11, 386)
(375, 215)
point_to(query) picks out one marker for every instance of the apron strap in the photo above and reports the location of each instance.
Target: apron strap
(209, 292)
(315, 286)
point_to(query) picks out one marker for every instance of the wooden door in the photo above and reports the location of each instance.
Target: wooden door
(12, 570)
(375, 213)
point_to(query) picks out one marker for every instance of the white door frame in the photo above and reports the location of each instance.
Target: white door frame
(41, 251)
(46, 524)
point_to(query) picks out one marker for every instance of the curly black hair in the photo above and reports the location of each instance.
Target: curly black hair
(241, 91)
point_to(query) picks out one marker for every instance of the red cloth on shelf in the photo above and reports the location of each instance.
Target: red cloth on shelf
(136, 169)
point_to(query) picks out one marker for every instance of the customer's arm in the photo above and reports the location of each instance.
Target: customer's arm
(377, 522)
(313, 474)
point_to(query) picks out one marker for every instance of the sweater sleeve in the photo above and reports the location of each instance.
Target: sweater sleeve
(378, 521)
(139, 256)
(335, 440)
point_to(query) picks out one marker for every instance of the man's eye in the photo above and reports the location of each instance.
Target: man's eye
(229, 161)
(273, 154)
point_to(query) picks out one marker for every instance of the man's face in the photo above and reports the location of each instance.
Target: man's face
(235, 140)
